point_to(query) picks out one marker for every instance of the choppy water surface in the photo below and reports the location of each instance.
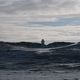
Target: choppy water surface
(33, 74)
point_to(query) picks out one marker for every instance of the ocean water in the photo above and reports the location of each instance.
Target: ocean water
(24, 75)
(22, 65)
(53, 74)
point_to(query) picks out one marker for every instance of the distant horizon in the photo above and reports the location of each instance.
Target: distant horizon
(37, 42)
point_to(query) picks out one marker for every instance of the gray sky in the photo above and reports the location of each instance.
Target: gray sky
(32, 20)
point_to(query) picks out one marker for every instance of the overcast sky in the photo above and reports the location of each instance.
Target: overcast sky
(32, 20)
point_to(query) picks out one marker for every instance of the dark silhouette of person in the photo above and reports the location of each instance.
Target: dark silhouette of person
(43, 43)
